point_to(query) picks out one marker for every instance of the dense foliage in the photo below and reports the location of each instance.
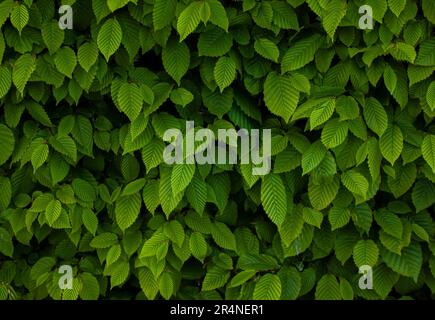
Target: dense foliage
(82, 178)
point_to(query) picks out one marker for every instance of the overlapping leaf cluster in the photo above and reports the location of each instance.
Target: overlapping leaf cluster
(83, 183)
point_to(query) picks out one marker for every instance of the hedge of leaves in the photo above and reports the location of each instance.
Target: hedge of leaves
(83, 182)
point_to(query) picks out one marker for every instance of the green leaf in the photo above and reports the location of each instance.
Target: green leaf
(65, 61)
(334, 133)
(175, 232)
(113, 254)
(338, 217)
(90, 221)
(214, 43)
(119, 274)
(39, 156)
(312, 217)
(91, 287)
(301, 53)
(176, 59)
(23, 68)
(333, 14)
(375, 116)
(322, 195)
(284, 16)
(38, 113)
(403, 52)
(403, 179)
(218, 15)
(104, 240)
(346, 289)
(328, 288)
(224, 72)
(246, 171)
(260, 262)
(267, 49)
(268, 288)
(6, 244)
(130, 100)
(291, 283)
(273, 198)
(430, 95)
(423, 194)
(241, 278)
(116, 4)
(87, 55)
(355, 182)
(151, 195)
(166, 286)
(408, 263)
(100, 9)
(109, 38)
(6, 8)
(390, 79)
(223, 236)
(52, 35)
(418, 73)
(7, 143)
(58, 168)
(53, 211)
(420, 232)
(198, 246)
(42, 266)
(84, 190)
(391, 143)
(384, 280)
(20, 17)
(206, 12)
(65, 145)
(6, 195)
(426, 54)
(390, 223)
(218, 103)
(163, 13)
(148, 283)
(133, 187)
(429, 10)
(215, 278)
(365, 252)
(321, 113)
(313, 156)
(152, 245)
(280, 96)
(397, 6)
(127, 210)
(189, 19)
(168, 199)
(428, 150)
(292, 226)
(181, 97)
(344, 243)
(181, 177)
(152, 153)
(5, 81)
(196, 194)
